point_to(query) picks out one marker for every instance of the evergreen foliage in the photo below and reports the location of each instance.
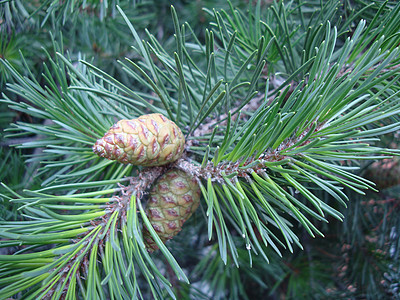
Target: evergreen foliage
(284, 106)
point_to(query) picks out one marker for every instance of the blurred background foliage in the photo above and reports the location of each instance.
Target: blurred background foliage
(357, 259)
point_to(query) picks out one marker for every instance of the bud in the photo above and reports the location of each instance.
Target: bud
(150, 140)
(173, 199)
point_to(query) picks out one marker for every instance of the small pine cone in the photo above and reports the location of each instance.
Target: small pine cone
(173, 199)
(150, 140)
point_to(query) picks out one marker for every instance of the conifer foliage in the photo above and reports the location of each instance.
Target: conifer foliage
(261, 118)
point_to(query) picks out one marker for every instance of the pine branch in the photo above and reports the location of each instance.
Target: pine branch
(251, 168)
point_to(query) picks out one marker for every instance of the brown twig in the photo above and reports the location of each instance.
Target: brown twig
(208, 126)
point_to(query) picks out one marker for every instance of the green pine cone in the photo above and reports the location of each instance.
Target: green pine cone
(150, 140)
(173, 199)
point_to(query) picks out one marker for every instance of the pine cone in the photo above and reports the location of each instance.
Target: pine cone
(173, 199)
(150, 140)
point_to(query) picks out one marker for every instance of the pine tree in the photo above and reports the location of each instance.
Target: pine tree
(282, 108)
